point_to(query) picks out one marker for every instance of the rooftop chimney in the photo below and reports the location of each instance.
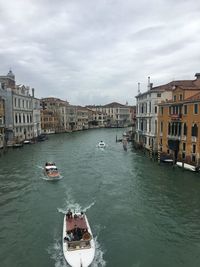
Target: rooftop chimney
(33, 92)
(151, 86)
(197, 75)
(148, 86)
(138, 88)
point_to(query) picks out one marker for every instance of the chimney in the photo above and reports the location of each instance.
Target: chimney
(197, 75)
(151, 86)
(138, 88)
(148, 86)
(33, 92)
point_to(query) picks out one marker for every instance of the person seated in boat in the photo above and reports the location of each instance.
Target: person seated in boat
(67, 237)
(82, 215)
(75, 216)
(75, 233)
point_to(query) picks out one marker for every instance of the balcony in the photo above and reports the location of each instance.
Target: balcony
(194, 139)
(176, 117)
(174, 137)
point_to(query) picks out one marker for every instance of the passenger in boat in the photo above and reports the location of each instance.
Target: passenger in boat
(69, 214)
(82, 215)
(68, 236)
(75, 233)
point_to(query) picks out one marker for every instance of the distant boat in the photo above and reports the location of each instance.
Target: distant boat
(51, 171)
(187, 166)
(78, 241)
(27, 142)
(101, 144)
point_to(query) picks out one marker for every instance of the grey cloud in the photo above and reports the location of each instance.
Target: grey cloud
(97, 51)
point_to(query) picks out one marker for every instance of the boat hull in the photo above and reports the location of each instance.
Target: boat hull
(186, 166)
(80, 256)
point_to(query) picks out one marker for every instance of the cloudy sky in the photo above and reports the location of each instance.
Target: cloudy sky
(96, 51)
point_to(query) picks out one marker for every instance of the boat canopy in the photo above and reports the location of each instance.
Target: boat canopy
(76, 223)
(53, 167)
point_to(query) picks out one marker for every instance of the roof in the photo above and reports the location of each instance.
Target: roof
(183, 84)
(50, 167)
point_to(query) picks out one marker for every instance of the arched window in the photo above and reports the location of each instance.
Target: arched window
(194, 130)
(156, 126)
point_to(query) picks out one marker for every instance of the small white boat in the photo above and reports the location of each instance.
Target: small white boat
(101, 144)
(27, 142)
(187, 166)
(78, 242)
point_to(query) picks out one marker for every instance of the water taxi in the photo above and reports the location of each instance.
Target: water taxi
(51, 170)
(78, 242)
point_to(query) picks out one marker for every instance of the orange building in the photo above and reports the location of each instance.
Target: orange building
(179, 123)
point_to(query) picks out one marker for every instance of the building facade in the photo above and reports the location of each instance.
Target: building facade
(147, 115)
(179, 122)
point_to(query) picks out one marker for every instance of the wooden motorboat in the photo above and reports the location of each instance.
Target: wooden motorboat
(51, 170)
(78, 242)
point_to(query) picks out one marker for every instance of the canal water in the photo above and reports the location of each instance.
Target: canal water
(141, 214)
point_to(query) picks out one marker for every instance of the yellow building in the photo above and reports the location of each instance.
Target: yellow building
(179, 123)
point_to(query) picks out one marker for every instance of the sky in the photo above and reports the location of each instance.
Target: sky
(97, 51)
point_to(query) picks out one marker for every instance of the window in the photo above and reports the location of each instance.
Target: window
(193, 158)
(185, 129)
(169, 128)
(184, 146)
(161, 110)
(156, 109)
(174, 97)
(183, 155)
(169, 110)
(194, 130)
(161, 127)
(195, 108)
(158, 94)
(193, 148)
(161, 141)
(180, 97)
(185, 109)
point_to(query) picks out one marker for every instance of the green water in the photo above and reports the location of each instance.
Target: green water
(141, 214)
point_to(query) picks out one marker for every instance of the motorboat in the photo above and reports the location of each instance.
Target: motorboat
(78, 241)
(101, 144)
(26, 142)
(51, 170)
(187, 166)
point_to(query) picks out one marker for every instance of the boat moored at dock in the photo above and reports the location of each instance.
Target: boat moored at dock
(187, 166)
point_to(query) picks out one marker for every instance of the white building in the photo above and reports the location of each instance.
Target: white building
(147, 114)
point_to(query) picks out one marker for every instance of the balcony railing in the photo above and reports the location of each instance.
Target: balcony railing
(176, 117)
(194, 139)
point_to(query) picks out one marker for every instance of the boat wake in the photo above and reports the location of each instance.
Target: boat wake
(50, 179)
(56, 253)
(74, 206)
(98, 257)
